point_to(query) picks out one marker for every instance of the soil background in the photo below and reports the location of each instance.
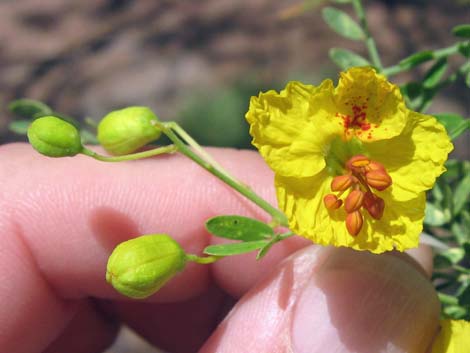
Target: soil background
(85, 58)
(197, 61)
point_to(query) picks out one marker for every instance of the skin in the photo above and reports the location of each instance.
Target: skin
(61, 218)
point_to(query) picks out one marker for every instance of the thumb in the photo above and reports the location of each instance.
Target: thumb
(335, 299)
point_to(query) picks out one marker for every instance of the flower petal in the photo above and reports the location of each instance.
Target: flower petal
(454, 337)
(368, 106)
(415, 158)
(286, 127)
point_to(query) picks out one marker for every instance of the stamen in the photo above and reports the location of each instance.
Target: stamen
(332, 202)
(362, 175)
(374, 166)
(341, 182)
(354, 201)
(378, 179)
(374, 205)
(357, 162)
(354, 222)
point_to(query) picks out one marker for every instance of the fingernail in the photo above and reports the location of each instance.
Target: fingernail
(360, 302)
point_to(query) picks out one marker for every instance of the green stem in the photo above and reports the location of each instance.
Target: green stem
(462, 70)
(130, 157)
(285, 235)
(203, 260)
(369, 41)
(437, 54)
(191, 142)
(277, 215)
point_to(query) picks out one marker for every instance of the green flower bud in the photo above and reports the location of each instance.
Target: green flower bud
(139, 267)
(54, 137)
(124, 131)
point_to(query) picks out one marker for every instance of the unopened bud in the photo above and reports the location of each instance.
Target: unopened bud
(354, 222)
(374, 205)
(139, 267)
(354, 201)
(357, 161)
(54, 137)
(378, 179)
(126, 130)
(332, 202)
(341, 182)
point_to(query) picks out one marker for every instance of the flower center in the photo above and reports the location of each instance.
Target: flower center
(361, 176)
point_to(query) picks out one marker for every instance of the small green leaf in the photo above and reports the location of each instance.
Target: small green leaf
(454, 124)
(345, 58)
(453, 167)
(447, 299)
(342, 1)
(434, 216)
(239, 228)
(462, 194)
(19, 127)
(412, 90)
(465, 167)
(462, 31)
(416, 59)
(435, 73)
(464, 49)
(454, 255)
(342, 23)
(29, 108)
(448, 201)
(455, 312)
(437, 191)
(234, 248)
(465, 222)
(467, 79)
(413, 93)
(457, 230)
(441, 262)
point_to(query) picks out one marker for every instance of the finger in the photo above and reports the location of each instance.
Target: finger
(88, 332)
(177, 327)
(60, 219)
(74, 211)
(335, 299)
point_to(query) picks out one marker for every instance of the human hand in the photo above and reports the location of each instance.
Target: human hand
(61, 218)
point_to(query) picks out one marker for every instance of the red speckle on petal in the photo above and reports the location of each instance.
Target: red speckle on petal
(358, 120)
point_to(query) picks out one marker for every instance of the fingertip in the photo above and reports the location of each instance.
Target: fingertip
(238, 274)
(345, 300)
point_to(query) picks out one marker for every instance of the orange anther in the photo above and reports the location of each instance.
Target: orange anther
(375, 166)
(354, 222)
(332, 202)
(354, 201)
(341, 182)
(378, 179)
(357, 161)
(374, 205)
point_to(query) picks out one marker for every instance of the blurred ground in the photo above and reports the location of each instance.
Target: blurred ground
(195, 61)
(87, 57)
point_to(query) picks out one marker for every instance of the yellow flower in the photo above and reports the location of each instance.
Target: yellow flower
(454, 337)
(351, 163)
